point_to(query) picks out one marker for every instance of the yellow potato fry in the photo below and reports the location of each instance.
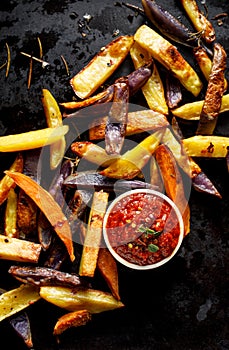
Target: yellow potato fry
(32, 139)
(94, 301)
(54, 118)
(153, 90)
(17, 299)
(6, 182)
(11, 215)
(192, 110)
(93, 237)
(101, 67)
(130, 163)
(206, 146)
(19, 250)
(168, 55)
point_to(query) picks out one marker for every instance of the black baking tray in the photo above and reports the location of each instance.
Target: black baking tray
(183, 305)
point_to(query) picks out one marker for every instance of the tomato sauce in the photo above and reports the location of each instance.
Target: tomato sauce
(143, 228)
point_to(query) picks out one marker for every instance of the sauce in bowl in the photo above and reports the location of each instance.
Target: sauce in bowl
(143, 229)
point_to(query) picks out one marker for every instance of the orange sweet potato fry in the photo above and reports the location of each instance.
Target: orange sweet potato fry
(108, 269)
(173, 182)
(48, 206)
(71, 319)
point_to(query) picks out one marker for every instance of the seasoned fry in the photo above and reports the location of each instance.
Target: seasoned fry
(108, 268)
(167, 24)
(177, 150)
(72, 319)
(130, 163)
(11, 215)
(94, 301)
(17, 299)
(206, 146)
(153, 89)
(205, 63)
(168, 55)
(54, 118)
(173, 182)
(138, 122)
(115, 130)
(199, 21)
(93, 237)
(19, 250)
(192, 110)
(93, 153)
(101, 97)
(32, 139)
(48, 206)
(101, 67)
(6, 182)
(215, 89)
(43, 276)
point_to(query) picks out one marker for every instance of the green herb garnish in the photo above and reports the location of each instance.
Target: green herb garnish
(149, 231)
(153, 248)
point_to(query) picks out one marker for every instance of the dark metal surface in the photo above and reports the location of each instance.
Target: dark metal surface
(183, 305)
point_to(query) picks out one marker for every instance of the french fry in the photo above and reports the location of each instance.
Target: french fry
(205, 63)
(177, 149)
(6, 183)
(206, 146)
(108, 268)
(48, 206)
(32, 139)
(54, 118)
(173, 182)
(138, 122)
(19, 250)
(93, 153)
(72, 319)
(101, 67)
(130, 163)
(93, 237)
(192, 110)
(168, 55)
(199, 21)
(17, 299)
(213, 97)
(153, 90)
(92, 300)
(11, 215)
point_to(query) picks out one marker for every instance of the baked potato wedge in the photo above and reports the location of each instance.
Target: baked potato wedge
(101, 67)
(168, 55)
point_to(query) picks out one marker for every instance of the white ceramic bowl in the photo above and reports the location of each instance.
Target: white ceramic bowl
(167, 201)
